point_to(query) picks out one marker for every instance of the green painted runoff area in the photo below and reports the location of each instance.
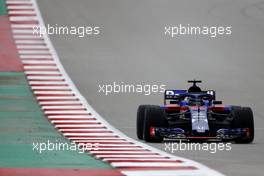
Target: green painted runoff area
(2, 8)
(22, 123)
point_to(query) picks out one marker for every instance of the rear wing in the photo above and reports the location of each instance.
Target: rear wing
(172, 96)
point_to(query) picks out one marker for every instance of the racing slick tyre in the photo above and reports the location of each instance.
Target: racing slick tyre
(154, 117)
(243, 118)
(140, 120)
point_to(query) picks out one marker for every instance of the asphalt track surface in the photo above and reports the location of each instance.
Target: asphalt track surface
(132, 48)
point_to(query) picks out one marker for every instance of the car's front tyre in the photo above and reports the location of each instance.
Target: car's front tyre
(154, 117)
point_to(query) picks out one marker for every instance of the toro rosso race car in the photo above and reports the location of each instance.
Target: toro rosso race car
(194, 114)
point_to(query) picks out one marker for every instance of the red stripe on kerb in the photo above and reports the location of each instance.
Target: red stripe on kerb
(19, 4)
(34, 49)
(93, 137)
(75, 123)
(41, 69)
(62, 100)
(25, 22)
(46, 104)
(73, 118)
(10, 10)
(29, 74)
(21, 14)
(81, 127)
(69, 132)
(54, 95)
(75, 109)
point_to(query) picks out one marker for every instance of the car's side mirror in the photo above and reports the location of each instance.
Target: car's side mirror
(217, 102)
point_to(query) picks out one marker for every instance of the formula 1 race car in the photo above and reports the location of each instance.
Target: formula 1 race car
(194, 115)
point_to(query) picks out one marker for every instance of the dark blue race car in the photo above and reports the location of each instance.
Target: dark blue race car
(194, 114)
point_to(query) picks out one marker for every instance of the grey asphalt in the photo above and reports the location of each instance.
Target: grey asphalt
(132, 48)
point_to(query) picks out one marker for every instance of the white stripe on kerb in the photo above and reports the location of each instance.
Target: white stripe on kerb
(82, 130)
(21, 18)
(20, 31)
(129, 156)
(59, 102)
(20, 7)
(35, 56)
(26, 36)
(21, 51)
(53, 78)
(150, 164)
(31, 47)
(73, 121)
(21, 12)
(37, 62)
(18, 2)
(79, 125)
(71, 116)
(88, 134)
(119, 152)
(63, 107)
(54, 98)
(41, 73)
(40, 67)
(29, 42)
(23, 25)
(67, 112)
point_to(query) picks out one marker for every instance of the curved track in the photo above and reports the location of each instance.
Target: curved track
(132, 48)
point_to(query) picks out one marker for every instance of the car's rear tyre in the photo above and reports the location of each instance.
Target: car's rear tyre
(140, 120)
(154, 117)
(243, 118)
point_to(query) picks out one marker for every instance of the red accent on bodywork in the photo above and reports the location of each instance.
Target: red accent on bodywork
(217, 108)
(247, 132)
(176, 108)
(152, 131)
